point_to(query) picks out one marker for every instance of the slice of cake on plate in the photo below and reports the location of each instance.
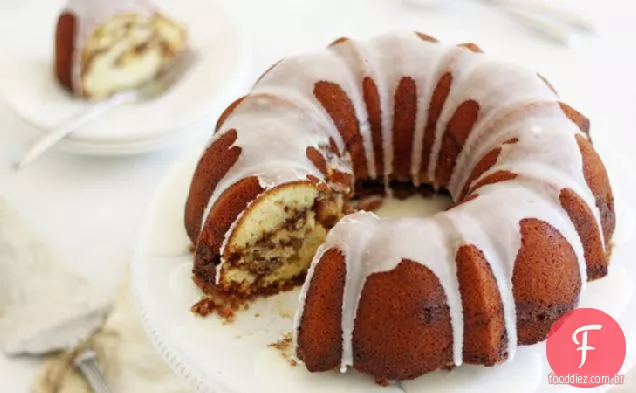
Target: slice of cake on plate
(106, 46)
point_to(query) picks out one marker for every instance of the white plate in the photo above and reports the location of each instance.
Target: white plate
(235, 358)
(28, 85)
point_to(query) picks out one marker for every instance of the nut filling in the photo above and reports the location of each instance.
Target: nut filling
(270, 252)
(288, 250)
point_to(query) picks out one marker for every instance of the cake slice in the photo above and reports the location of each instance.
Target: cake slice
(104, 47)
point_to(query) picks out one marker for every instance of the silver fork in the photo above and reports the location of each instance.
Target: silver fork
(545, 18)
(568, 17)
(146, 92)
(87, 364)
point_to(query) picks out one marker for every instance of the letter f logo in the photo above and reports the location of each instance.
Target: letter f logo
(583, 344)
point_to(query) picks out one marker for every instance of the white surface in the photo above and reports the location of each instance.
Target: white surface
(29, 321)
(90, 208)
(28, 85)
(235, 358)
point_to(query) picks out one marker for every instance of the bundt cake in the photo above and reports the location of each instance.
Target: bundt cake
(532, 219)
(106, 46)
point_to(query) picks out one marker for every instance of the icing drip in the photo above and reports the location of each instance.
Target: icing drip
(356, 62)
(371, 245)
(353, 239)
(282, 117)
(272, 148)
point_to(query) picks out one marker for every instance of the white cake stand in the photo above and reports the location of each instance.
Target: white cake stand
(237, 358)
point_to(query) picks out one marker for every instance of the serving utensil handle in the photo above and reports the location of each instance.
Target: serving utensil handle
(87, 363)
(73, 123)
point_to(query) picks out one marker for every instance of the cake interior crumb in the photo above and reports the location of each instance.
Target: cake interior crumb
(284, 347)
(225, 306)
(285, 314)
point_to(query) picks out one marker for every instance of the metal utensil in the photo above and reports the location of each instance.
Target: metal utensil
(542, 25)
(65, 336)
(60, 335)
(146, 92)
(545, 18)
(549, 10)
(88, 365)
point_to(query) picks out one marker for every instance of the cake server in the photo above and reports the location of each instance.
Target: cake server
(65, 336)
(62, 335)
(88, 365)
(45, 306)
(146, 92)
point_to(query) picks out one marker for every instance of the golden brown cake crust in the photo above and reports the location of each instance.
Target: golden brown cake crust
(434, 111)
(226, 113)
(584, 222)
(546, 280)
(471, 46)
(494, 177)
(317, 159)
(340, 108)
(402, 327)
(404, 127)
(596, 178)
(374, 109)
(485, 336)
(65, 49)
(320, 333)
(457, 131)
(224, 212)
(487, 161)
(426, 37)
(581, 121)
(213, 165)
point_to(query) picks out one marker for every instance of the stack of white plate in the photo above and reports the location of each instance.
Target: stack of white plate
(30, 89)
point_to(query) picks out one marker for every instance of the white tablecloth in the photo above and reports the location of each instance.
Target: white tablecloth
(90, 208)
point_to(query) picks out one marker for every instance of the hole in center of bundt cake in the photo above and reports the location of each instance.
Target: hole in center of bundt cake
(405, 199)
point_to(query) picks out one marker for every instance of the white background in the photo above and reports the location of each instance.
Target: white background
(89, 208)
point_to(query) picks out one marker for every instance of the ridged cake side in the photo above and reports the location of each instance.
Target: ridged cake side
(532, 220)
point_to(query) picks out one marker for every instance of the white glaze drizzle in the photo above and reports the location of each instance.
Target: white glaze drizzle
(268, 123)
(482, 139)
(371, 245)
(353, 54)
(90, 15)
(401, 55)
(494, 97)
(546, 158)
(273, 149)
(354, 238)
